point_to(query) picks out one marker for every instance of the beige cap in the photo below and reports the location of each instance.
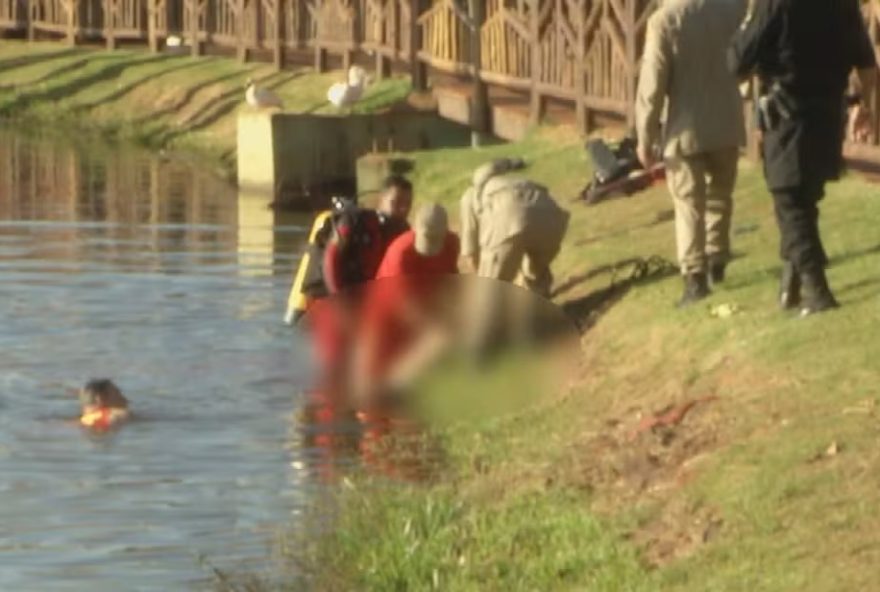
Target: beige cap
(430, 226)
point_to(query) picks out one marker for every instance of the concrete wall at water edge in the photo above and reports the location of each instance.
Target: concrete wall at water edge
(298, 157)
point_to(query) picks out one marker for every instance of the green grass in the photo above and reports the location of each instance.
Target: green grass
(440, 541)
(516, 491)
(156, 100)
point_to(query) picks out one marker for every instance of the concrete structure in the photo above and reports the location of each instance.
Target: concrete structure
(292, 156)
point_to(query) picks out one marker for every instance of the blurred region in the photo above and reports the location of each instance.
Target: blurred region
(407, 355)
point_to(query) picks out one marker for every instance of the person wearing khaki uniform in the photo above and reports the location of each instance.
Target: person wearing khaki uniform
(511, 226)
(684, 73)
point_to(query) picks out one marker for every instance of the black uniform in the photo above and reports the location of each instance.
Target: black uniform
(805, 49)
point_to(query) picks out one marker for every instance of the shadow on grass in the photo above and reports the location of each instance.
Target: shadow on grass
(187, 98)
(660, 219)
(57, 72)
(848, 256)
(625, 275)
(55, 93)
(372, 101)
(865, 283)
(128, 88)
(219, 107)
(31, 59)
(228, 101)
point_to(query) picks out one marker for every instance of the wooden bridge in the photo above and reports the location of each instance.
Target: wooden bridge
(581, 56)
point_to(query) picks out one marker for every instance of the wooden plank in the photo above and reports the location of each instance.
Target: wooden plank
(449, 66)
(338, 46)
(524, 84)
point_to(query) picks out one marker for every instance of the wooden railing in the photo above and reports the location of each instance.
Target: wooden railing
(585, 52)
(13, 15)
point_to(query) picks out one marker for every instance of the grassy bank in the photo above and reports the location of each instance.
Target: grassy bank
(771, 483)
(163, 101)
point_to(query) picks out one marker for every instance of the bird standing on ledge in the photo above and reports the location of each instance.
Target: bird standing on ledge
(343, 95)
(261, 98)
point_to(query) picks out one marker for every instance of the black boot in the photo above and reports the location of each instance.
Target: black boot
(817, 294)
(696, 287)
(789, 287)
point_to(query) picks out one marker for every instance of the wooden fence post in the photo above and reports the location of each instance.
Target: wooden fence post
(152, 15)
(480, 116)
(31, 14)
(255, 17)
(72, 6)
(387, 38)
(418, 70)
(278, 34)
(581, 113)
(536, 103)
(195, 44)
(320, 58)
(633, 63)
(320, 51)
(109, 18)
(241, 14)
(382, 66)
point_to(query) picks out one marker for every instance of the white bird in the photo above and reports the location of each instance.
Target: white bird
(173, 41)
(345, 94)
(261, 98)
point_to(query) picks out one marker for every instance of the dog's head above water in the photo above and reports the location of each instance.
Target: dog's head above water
(103, 404)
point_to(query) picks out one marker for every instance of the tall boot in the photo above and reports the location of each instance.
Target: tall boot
(789, 287)
(696, 287)
(817, 293)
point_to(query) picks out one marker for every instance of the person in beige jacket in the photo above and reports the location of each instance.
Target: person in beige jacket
(684, 74)
(511, 227)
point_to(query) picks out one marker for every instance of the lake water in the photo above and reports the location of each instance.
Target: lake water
(158, 275)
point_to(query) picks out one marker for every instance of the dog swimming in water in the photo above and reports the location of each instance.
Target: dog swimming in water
(103, 405)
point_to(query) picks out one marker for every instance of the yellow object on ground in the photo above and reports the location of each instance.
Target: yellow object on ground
(724, 311)
(297, 301)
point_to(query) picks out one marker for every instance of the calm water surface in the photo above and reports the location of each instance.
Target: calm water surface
(161, 277)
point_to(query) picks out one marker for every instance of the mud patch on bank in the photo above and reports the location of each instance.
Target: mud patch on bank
(643, 458)
(677, 532)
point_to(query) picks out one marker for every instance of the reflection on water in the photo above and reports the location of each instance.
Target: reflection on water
(157, 275)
